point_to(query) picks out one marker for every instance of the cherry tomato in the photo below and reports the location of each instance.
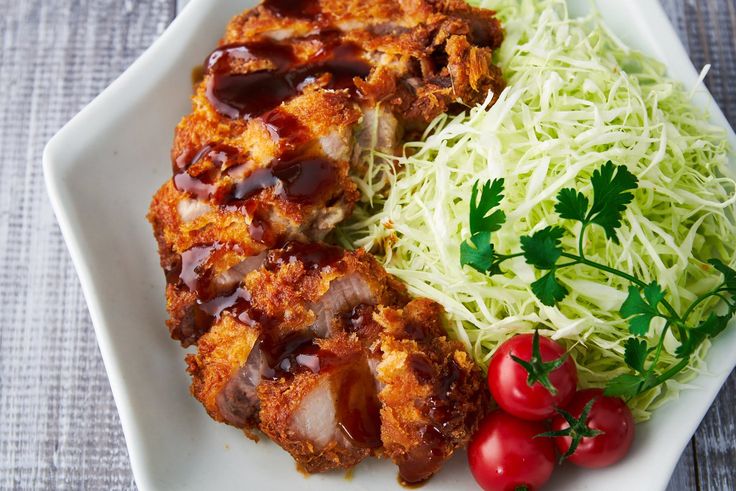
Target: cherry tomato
(609, 415)
(509, 380)
(505, 456)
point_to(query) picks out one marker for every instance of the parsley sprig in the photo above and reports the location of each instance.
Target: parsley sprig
(612, 191)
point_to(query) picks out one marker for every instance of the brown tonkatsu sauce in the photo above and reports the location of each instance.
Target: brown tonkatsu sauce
(358, 407)
(286, 129)
(246, 95)
(351, 381)
(195, 273)
(422, 367)
(288, 354)
(259, 228)
(202, 183)
(249, 95)
(300, 9)
(298, 176)
(192, 264)
(426, 458)
(298, 180)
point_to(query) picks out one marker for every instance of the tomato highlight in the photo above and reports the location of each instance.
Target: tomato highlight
(530, 376)
(609, 418)
(506, 454)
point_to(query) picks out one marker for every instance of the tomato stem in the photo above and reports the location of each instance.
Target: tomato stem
(537, 369)
(577, 430)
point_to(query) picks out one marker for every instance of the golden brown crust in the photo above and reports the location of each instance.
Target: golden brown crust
(289, 290)
(254, 173)
(282, 400)
(283, 294)
(220, 353)
(433, 395)
(175, 237)
(424, 57)
(432, 53)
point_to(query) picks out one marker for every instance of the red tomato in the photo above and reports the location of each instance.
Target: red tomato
(609, 415)
(504, 455)
(508, 380)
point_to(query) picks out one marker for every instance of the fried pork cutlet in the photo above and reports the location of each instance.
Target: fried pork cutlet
(295, 92)
(328, 356)
(316, 347)
(300, 293)
(432, 397)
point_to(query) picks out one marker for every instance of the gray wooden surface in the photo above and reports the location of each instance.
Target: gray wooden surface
(58, 425)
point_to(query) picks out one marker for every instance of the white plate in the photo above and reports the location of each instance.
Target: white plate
(101, 171)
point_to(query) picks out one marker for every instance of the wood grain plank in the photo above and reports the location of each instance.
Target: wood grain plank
(685, 476)
(59, 428)
(715, 443)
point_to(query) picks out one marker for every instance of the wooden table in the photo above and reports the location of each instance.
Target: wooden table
(58, 424)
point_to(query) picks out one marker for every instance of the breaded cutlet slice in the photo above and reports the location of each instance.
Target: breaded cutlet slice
(289, 336)
(302, 290)
(432, 398)
(327, 418)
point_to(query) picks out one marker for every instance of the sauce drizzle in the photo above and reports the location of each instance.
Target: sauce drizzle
(425, 459)
(302, 9)
(248, 95)
(358, 407)
(352, 384)
(312, 255)
(286, 129)
(193, 175)
(300, 180)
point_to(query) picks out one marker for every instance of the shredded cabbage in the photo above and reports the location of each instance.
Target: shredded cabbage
(576, 98)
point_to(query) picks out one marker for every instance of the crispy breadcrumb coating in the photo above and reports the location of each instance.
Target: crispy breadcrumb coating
(318, 348)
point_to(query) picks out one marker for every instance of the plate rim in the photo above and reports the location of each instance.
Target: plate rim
(193, 12)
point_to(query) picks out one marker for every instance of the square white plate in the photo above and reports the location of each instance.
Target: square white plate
(101, 171)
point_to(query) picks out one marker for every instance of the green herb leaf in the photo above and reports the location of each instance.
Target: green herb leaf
(543, 249)
(549, 290)
(635, 353)
(572, 205)
(626, 385)
(729, 275)
(482, 219)
(612, 193)
(641, 311)
(611, 186)
(477, 252)
(709, 328)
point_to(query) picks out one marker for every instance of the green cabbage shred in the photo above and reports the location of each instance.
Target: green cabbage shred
(576, 98)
